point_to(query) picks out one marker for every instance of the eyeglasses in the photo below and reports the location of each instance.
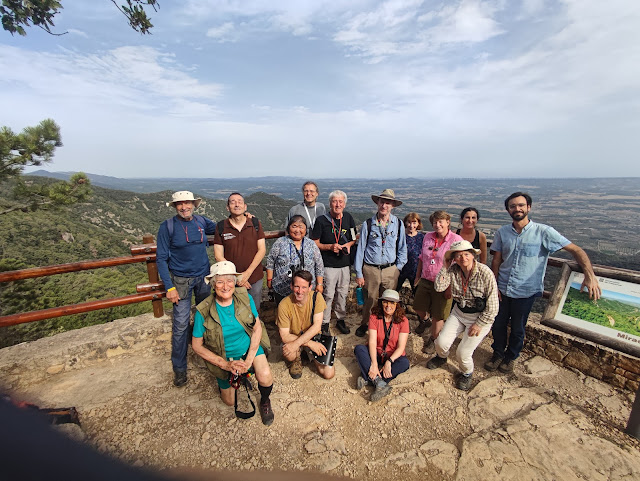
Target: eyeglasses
(228, 282)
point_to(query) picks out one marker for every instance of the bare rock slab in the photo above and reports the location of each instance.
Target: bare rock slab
(545, 444)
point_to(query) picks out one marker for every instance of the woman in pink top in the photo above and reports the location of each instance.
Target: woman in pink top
(427, 302)
(384, 357)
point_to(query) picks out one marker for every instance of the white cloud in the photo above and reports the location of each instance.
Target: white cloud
(223, 33)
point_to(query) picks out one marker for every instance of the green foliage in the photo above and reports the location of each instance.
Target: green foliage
(604, 312)
(33, 147)
(18, 14)
(136, 15)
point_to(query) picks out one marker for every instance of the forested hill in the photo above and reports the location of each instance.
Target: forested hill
(106, 226)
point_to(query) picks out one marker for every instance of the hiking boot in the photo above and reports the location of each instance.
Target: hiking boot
(381, 391)
(507, 366)
(436, 362)
(295, 368)
(361, 383)
(342, 327)
(325, 328)
(464, 382)
(493, 363)
(266, 413)
(422, 325)
(361, 331)
(429, 346)
(179, 378)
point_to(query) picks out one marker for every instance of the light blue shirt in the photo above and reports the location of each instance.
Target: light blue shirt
(524, 257)
(372, 249)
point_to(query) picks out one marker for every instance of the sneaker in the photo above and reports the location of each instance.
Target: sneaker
(436, 362)
(464, 382)
(507, 366)
(342, 327)
(422, 325)
(361, 331)
(179, 378)
(295, 368)
(493, 363)
(325, 328)
(429, 346)
(266, 413)
(380, 392)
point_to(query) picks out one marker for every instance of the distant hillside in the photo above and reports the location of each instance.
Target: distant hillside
(106, 226)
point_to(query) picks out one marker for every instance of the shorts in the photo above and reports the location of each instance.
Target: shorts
(427, 299)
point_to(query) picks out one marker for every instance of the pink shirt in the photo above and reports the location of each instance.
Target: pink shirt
(430, 269)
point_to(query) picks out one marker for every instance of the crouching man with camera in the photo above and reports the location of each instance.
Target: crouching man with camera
(475, 304)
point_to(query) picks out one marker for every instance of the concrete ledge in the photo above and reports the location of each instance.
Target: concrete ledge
(34, 361)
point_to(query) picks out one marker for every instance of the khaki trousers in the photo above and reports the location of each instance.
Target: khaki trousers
(375, 281)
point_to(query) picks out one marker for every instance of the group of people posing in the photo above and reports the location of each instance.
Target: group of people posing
(309, 271)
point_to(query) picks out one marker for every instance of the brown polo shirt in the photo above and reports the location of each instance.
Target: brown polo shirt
(240, 247)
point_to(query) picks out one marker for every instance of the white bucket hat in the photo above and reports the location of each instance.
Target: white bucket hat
(459, 246)
(222, 268)
(390, 295)
(184, 195)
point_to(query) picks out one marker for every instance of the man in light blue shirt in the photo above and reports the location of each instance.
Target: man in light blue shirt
(520, 252)
(381, 254)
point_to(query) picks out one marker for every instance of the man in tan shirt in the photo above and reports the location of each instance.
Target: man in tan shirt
(295, 326)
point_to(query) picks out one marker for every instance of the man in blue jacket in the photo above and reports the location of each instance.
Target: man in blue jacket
(381, 254)
(182, 264)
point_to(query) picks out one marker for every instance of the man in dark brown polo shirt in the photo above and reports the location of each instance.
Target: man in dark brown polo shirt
(241, 240)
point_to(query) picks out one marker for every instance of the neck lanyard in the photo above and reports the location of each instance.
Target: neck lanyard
(387, 333)
(339, 232)
(383, 233)
(186, 231)
(434, 249)
(462, 280)
(311, 221)
(299, 252)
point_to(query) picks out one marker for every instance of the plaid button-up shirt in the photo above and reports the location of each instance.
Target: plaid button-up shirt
(482, 283)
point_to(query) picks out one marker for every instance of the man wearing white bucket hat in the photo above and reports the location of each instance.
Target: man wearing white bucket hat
(182, 264)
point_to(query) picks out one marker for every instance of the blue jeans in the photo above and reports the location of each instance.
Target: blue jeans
(364, 361)
(181, 331)
(514, 312)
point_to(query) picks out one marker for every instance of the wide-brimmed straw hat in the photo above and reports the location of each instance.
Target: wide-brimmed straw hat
(387, 194)
(184, 195)
(222, 268)
(459, 246)
(390, 295)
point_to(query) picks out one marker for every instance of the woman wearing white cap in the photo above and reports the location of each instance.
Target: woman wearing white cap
(475, 297)
(230, 337)
(384, 357)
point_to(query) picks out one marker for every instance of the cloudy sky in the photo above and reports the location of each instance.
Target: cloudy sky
(312, 88)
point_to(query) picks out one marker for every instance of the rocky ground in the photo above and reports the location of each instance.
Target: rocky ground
(541, 422)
